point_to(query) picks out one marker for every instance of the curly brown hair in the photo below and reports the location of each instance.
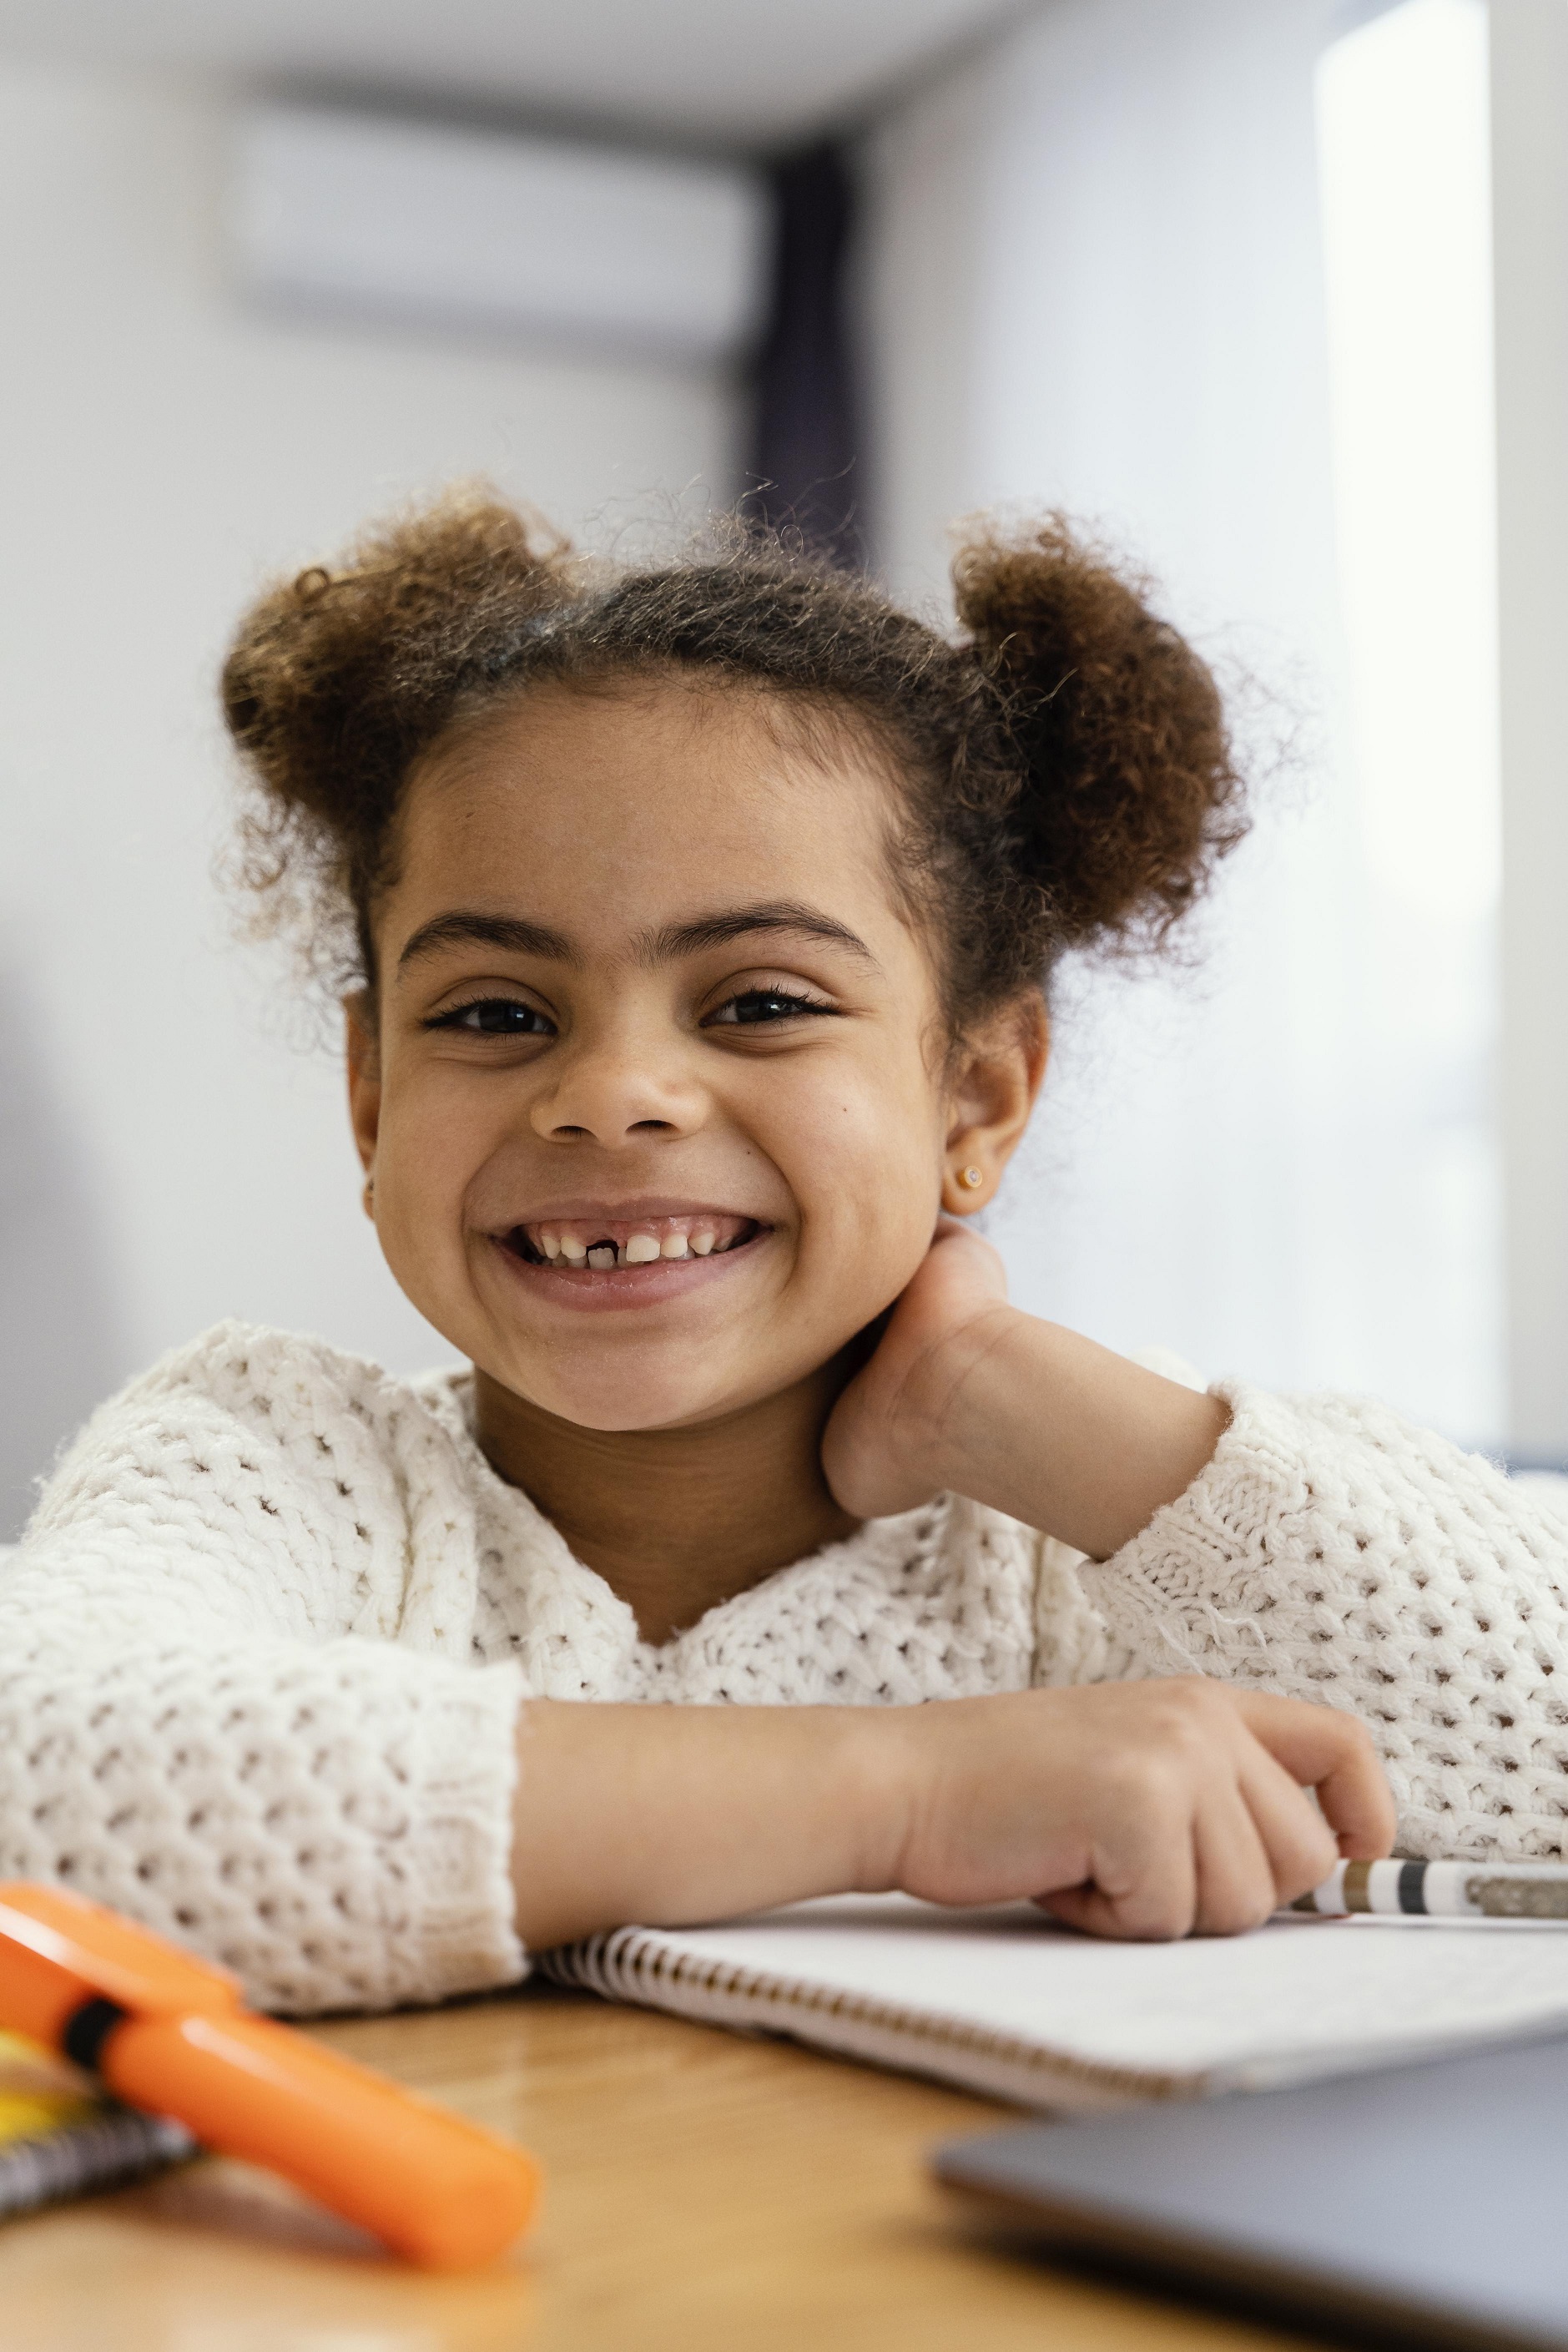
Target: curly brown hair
(1066, 772)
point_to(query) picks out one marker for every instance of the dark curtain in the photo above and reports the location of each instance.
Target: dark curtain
(805, 468)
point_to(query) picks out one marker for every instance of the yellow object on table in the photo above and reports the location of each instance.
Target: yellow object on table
(60, 2138)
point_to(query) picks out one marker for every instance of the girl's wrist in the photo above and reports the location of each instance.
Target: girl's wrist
(665, 1815)
(882, 1768)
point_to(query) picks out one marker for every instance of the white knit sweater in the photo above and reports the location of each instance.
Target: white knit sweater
(262, 1649)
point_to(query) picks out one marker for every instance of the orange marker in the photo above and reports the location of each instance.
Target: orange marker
(171, 2035)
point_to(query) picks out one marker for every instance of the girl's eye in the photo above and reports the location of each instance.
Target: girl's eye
(756, 1006)
(495, 1016)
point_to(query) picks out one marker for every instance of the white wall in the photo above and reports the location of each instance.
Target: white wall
(169, 1152)
(1128, 321)
(1530, 112)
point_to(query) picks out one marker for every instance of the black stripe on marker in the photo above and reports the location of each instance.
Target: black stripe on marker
(1413, 1887)
(87, 2029)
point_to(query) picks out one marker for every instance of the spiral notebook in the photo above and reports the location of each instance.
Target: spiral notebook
(1003, 2002)
(57, 2140)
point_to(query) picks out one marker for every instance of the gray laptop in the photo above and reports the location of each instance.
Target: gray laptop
(1427, 2205)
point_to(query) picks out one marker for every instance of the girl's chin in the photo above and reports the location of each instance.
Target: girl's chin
(662, 1392)
(643, 1347)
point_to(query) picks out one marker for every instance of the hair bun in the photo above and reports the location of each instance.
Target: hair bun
(338, 676)
(1128, 790)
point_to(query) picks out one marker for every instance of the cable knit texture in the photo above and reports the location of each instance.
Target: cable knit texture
(262, 1649)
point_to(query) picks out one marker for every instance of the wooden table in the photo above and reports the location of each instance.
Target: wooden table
(704, 2193)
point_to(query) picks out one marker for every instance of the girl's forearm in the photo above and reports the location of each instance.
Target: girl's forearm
(1063, 1434)
(1143, 1808)
(670, 1815)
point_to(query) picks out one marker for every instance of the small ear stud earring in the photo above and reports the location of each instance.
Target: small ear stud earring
(369, 1192)
(971, 1177)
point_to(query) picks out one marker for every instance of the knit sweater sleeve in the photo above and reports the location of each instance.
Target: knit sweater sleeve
(221, 1707)
(1333, 1551)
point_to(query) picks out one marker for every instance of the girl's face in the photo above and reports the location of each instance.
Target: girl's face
(657, 1110)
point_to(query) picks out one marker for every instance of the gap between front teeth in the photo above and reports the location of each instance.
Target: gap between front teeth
(639, 1249)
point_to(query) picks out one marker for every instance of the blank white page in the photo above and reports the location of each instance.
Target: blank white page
(1299, 1996)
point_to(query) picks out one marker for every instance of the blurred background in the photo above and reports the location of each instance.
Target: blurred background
(1273, 293)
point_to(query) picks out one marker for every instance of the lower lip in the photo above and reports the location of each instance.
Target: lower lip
(585, 1291)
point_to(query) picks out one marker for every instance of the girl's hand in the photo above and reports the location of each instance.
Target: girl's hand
(882, 1448)
(968, 1394)
(1137, 1809)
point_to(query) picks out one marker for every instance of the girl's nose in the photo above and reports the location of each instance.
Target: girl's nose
(611, 1095)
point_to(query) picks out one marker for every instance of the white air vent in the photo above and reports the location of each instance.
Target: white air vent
(593, 246)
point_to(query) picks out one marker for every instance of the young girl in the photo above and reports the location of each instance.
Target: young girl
(701, 919)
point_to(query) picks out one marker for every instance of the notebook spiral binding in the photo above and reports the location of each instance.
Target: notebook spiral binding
(642, 1967)
(114, 2146)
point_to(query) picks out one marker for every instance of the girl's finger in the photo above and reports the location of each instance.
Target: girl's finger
(1322, 1749)
(1235, 1877)
(1301, 1847)
(1145, 1883)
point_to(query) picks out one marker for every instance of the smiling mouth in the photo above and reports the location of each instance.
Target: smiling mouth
(610, 1245)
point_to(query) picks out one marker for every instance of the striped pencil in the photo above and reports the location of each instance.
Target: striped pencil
(1442, 1890)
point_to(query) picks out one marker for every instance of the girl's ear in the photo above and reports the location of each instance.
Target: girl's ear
(989, 1102)
(364, 1063)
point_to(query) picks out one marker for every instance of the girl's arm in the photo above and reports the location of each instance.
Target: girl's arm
(1133, 1809)
(1332, 1550)
(192, 1725)
(330, 1819)
(1320, 1548)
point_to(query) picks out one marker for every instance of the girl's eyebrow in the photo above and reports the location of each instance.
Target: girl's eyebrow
(466, 927)
(462, 928)
(729, 923)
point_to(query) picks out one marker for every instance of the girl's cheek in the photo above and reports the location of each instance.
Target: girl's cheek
(424, 1170)
(878, 1105)
(865, 1170)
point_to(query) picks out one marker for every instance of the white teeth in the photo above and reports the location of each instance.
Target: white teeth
(556, 1247)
